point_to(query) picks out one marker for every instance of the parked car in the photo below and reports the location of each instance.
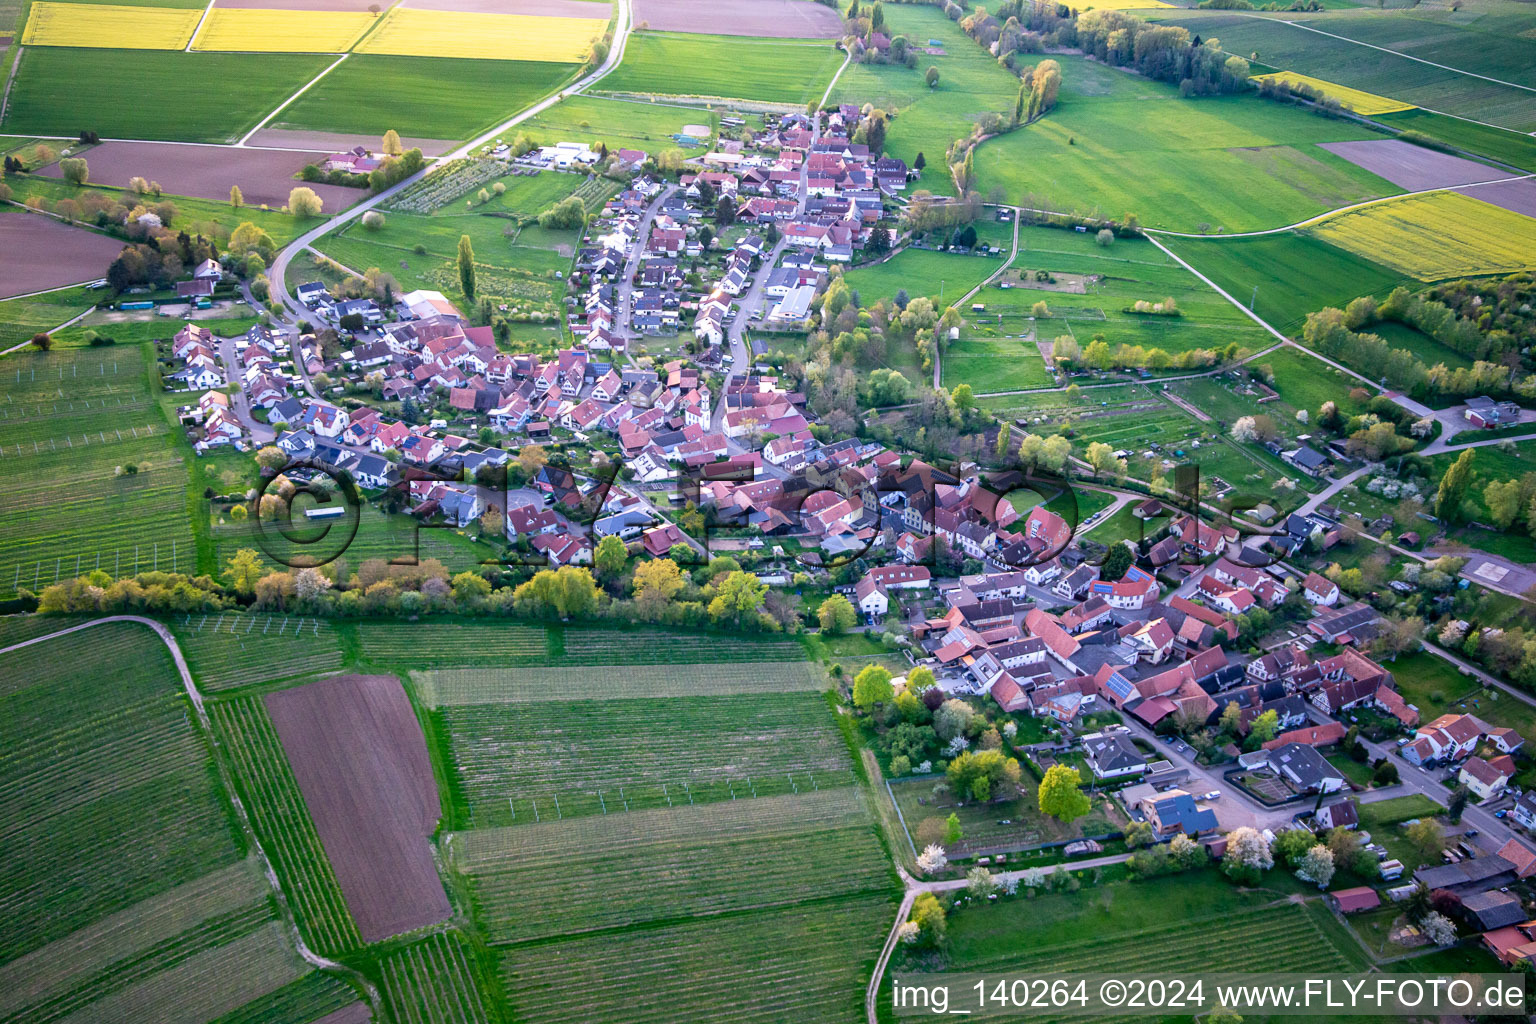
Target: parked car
(1214, 794)
(1471, 833)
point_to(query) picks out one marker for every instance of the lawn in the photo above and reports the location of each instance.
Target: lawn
(970, 83)
(59, 91)
(1288, 275)
(618, 124)
(1233, 163)
(1436, 236)
(1282, 47)
(994, 364)
(424, 97)
(942, 276)
(1436, 687)
(788, 71)
(998, 826)
(1490, 463)
(1122, 526)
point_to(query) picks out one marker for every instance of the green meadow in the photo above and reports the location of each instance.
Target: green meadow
(942, 276)
(927, 120)
(618, 124)
(151, 94)
(1502, 144)
(425, 97)
(1277, 44)
(1117, 144)
(792, 71)
(1287, 275)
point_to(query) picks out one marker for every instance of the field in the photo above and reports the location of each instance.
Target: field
(228, 650)
(1427, 349)
(59, 255)
(1411, 167)
(1360, 102)
(109, 797)
(1282, 45)
(108, 26)
(265, 177)
(68, 420)
(1436, 688)
(783, 19)
(453, 687)
(1234, 163)
(1515, 148)
(1091, 291)
(271, 797)
(280, 31)
(316, 998)
(942, 276)
(994, 364)
(803, 963)
(407, 32)
(616, 871)
(1437, 236)
(1491, 463)
(434, 981)
(1287, 275)
(772, 70)
(617, 124)
(57, 91)
(362, 766)
(970, 84)
(434, 98)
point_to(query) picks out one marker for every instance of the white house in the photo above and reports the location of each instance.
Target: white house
(871, 597)
(1319, 591)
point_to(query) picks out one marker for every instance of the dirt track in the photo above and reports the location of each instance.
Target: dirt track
(56, 254)
(361, 763)
(778, 19)
(207, 172)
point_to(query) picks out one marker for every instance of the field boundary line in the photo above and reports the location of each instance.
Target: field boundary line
(195, 696)
(847, 59)
(5, 101)
(289, 101)
(1398, 53)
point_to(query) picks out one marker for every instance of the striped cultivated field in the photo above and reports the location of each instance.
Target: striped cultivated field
(579, 757)
(281, 820)
(107, 795)
(310, 1000)
(433, 982)
(516, 685)
(567, 877)
(1436, 236)
(71, 423)
(228, 650)
(624, 647)
(464, 643)
(806, 963)
(110, 26)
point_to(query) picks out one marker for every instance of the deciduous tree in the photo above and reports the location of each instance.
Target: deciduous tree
(836, 615)
(1059, 795)
(872, 686)
(303, 201)
(466, 265)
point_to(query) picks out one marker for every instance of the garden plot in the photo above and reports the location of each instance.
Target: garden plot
(804, 963)
(575, 758)
(109, 794)
(1436, 236)
(455, 687)
(265, 177)
(108, 26)
(782, 19)
(281, 31)
(361, 763)
(226, 650)
(1413, 167)
(58, 255)
(271, 797)
(440, 33)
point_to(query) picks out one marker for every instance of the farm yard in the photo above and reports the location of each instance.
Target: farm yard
(265, 177)
(362, 767)
(64, 255)
(1232, 163)
(728, 67)
(1436, 236)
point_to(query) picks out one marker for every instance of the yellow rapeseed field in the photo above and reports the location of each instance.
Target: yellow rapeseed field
(1437, 236)
(1366, 103)
(414, 33)
(109, 26)
(1121, 5)
(271, 31)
